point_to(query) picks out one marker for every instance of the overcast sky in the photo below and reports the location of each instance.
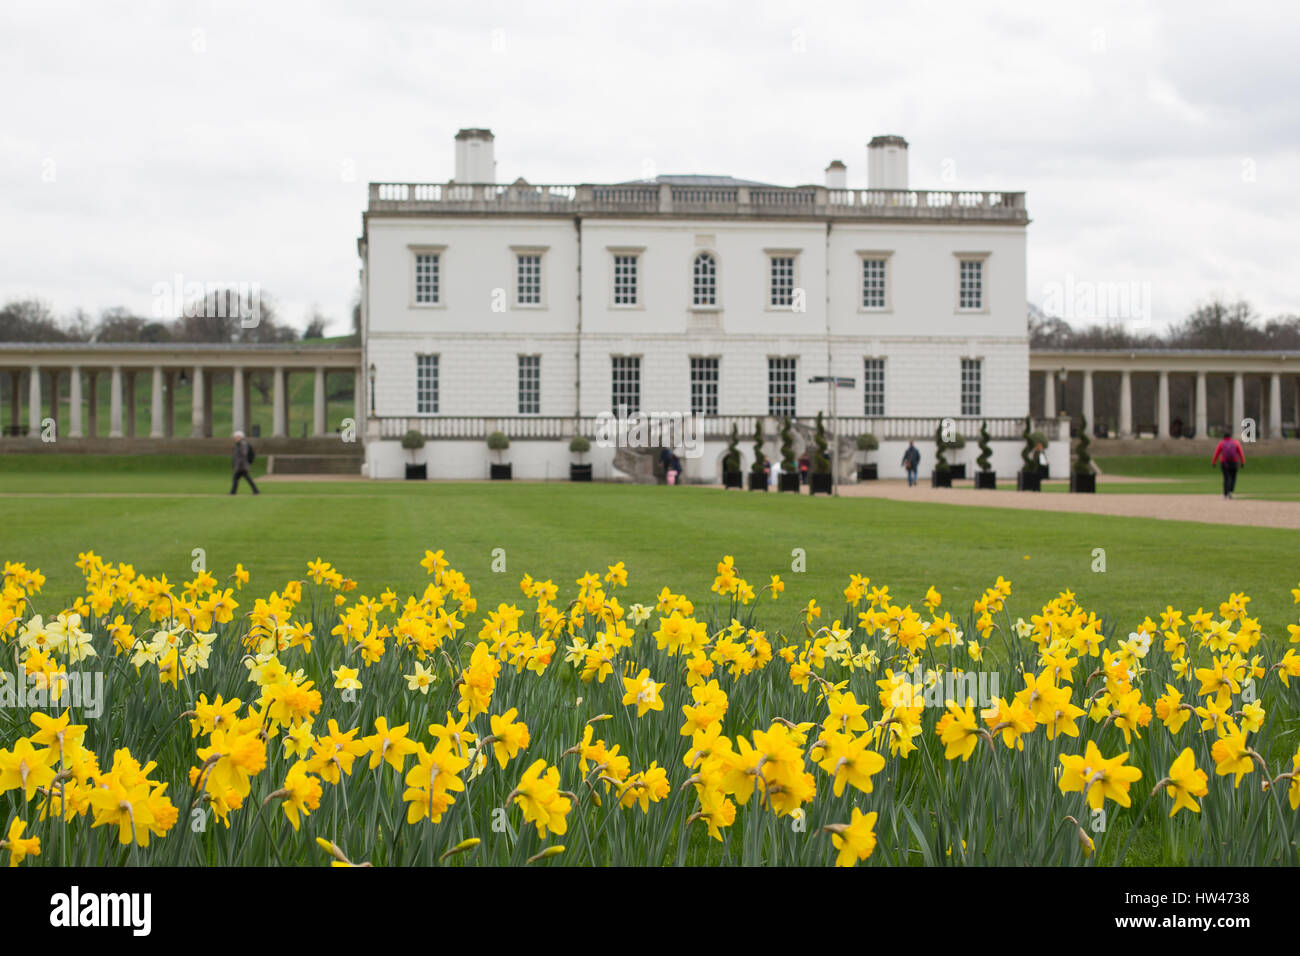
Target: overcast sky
(1158, 144)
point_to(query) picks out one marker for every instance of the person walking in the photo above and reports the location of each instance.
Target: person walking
(240, 459)
(1229, 455)
(911, 461)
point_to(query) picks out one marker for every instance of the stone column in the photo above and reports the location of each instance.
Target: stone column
(1162, 406)
(196, 406)
(74, 402)
(1275, 405)
(92, 404)
(169, 404)
(1238, 403)
(54, 399)
(280, 408)
(128, 393)
(1088, 402)
(1049, 394)
(207, 404)
(34, 402)
(15, 397)
(318, 404)
(1126, 404)
(1202, 414)
(115, 404)
(156, 429)
(238, 415)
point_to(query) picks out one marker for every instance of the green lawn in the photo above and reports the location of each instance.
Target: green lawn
(154, 511)
(1273, 478)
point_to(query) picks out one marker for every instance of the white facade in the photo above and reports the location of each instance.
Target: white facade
(932, 284)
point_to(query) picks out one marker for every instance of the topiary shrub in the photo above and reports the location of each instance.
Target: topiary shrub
(760, 460)
(498, 442)
(579, 446)
(868, 442)
(985, 458)
(412, 440)
(787, 446)
(1083, 460)
(821, 463)
(940, 461)
(731, 460)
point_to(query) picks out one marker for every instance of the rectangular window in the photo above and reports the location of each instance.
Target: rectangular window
(970, 290)
(625, 287)
(528, 284)
(627, 383)
(873, 387)
(873, 283)
(970, 386)
(426, 384)
(427, 278)
(704, 386)
(781, 386)
(782, 281)
(530, 385)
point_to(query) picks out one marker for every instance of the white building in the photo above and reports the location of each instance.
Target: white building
(535, 309)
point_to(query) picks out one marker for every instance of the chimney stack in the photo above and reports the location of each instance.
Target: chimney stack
(837, 175)
(475, 162)
(887, 162)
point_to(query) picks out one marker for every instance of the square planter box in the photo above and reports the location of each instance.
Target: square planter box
(733, 479)
(788, 482)
(820, 484)
(1029, 481)
(1083, 483)
(868, 472)
(958, 472)
(757, 481)
(579, 472)
(500, 472)
(417, 472)
(986, 479)
(941, 479)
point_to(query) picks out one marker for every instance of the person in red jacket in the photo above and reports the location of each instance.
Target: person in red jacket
(1229, 456)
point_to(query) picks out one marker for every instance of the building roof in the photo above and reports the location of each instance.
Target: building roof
(695, 179)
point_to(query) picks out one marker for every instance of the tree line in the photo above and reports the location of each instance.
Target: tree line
(1217, 325)
(205, 321)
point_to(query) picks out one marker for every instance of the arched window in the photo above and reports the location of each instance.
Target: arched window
(706, 280)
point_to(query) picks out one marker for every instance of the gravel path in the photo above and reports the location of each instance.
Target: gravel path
(1211, 509)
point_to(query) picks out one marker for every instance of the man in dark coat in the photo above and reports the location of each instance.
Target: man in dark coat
(911, 461)
(240, 460)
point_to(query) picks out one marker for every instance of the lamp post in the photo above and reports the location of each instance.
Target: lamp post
(372, 389)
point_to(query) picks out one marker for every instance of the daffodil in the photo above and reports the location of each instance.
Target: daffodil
(1098, 778)
(855, 840)
(1186, 782)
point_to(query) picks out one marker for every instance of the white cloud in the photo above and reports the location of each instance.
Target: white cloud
(213, 139)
